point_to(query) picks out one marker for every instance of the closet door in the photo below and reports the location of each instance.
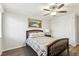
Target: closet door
(63, 26)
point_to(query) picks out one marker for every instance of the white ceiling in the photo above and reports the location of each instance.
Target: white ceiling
(25, 8)
(35, 8)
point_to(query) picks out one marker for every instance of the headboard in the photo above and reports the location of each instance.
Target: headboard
(32, 31)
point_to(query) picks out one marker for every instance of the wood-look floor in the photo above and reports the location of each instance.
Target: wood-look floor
(27, 51)
(23, 51)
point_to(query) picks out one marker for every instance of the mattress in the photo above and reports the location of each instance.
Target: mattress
(39, 44)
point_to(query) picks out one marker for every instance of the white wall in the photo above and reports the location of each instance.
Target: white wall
(64, 26)
(0, 46)
(0, 33)
(14, 30)
(1, 11)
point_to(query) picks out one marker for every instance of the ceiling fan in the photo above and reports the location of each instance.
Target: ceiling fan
(53, 9)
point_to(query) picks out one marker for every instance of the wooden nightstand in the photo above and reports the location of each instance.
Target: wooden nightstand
(48, 35)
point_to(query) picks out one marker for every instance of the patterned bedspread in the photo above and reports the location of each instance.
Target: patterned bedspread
(39, 44)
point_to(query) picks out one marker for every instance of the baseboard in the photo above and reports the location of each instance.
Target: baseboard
(13, 48)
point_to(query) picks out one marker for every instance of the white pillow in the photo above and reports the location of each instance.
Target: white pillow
(32, 35)
(38, 34)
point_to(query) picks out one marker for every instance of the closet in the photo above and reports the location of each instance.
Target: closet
(65, 26)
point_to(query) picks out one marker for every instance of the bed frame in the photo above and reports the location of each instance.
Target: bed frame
(57, 47)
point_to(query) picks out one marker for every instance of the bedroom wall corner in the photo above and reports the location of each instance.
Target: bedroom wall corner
(14, 30)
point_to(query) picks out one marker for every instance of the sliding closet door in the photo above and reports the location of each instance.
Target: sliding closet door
(63, 26)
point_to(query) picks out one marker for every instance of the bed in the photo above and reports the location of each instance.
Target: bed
(46, 46)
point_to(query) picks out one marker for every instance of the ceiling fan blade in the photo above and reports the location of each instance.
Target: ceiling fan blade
(61, 11)
(46, 9)
(60, 6)
(46, 14)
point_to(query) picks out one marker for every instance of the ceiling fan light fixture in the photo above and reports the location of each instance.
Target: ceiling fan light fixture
(53, 13)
